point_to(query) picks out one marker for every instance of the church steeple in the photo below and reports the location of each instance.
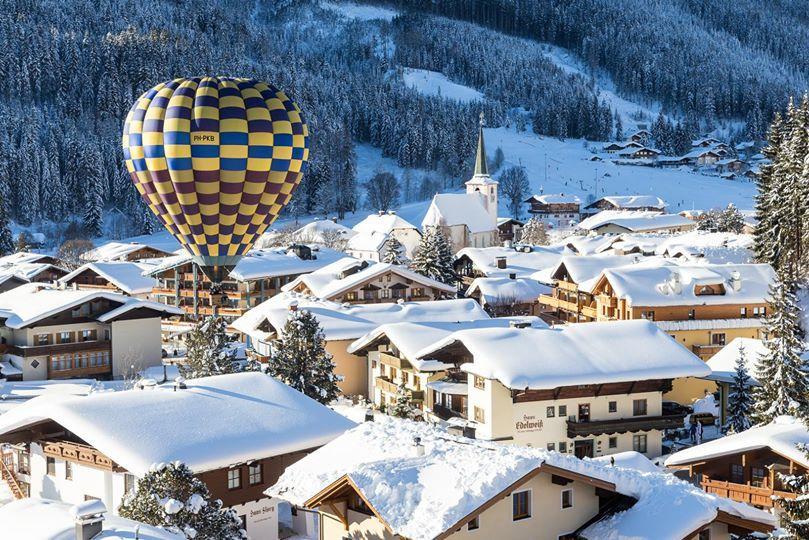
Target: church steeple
(481, 167)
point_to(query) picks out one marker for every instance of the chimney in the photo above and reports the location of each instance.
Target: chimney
(334, 219)
(380, 213)
(501, 262)
(736, 281)
(293, 306)
(519, 323)
(512, 275)
(89, 518)
(391, 212)
(418, 448)
(179, 383)
(676, 285)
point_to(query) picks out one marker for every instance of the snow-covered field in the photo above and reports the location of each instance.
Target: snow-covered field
(361, 12)
(432, 83)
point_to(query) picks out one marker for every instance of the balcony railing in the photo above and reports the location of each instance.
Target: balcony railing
(558, 303)
(566, 285)
(758, 496)
(445, 413)
(393, 361)
(589, 312)
(59, 348)
(623, 425)
(390, 387)
(79, 453)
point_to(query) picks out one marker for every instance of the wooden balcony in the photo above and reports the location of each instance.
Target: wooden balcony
(606, 300)
(705, 352)
(757, 496)
(624, 425)
(393, 361)
(558, 303)
(390, 387)
(79, 453)
(445, 413)
(590, 312)
(13, 484)
(566, 285)
(60, 348)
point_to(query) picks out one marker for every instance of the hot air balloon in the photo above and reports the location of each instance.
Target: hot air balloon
(216, 159)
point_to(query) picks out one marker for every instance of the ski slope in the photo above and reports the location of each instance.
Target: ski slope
(433, 83)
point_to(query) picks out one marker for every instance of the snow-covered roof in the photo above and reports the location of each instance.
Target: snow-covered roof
(584, 270)
(213, 423)
(668, 285)
(629, 460)
(117, 251)
(709, 324)
(29, 270)
(420, 497)
(22, 257)
(699, 152)
(518, 262)
(350, 321)
(327, 283)
(383, 222)
(448, 209)
(314, 231)
(24, 390)
(520, 290)
(411, 337)
(32, 302)
(125, 275)
(632, 202)
(591, 244)
(546, 358)
(367, 241)
(723, 363)
(635, 221)
(781, 436)
(555, 198)
(45, 519)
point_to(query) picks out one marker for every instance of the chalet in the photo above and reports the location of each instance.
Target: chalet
(126, 251)
(621, 221)
(342, 324)
(22, 257)
(388, 224)
(745, 466)
(259, 275)
(583, 389)
(124, 277)
(640, 136)
(705, 143)
(555, 210)
(369, 246)
(358, 282)
(36, 272)
(615, 147)
(51, 333)
(703, 156)
(702, 307)
(673, 162)
(461, 488)
(236, 432)
(509, 229)
(730, 165)
(436, 389)
(626, 202)
(507, 296)
(639, 153)
(10, 281)
(502, 262)
(468, 219)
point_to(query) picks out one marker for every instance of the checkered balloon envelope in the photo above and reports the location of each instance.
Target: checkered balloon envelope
(216, 159)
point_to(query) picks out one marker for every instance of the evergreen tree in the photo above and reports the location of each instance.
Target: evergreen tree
(6, 238)
(170, 496)
(208, 350)
(403, 407)
(619, 127)
(784, 387)
(433, 257)
(534, 233)
(740, 402)
(94, 210)
(300, 359)
(794, 512)
(394, 251)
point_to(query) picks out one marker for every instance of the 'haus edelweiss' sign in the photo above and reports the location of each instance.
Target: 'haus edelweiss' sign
(528, 422)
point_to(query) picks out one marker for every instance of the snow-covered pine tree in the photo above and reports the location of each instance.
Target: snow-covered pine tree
(762, 240)
(433, 258)
(534, 233)
(794, 514)
(170, 496)
(619, 127)
(6, 237)
(784, 387)
(208, 351)
(299, 357)
(740, 401)
(93, 209)
(403, 407)
(731, 220)
(394, 251)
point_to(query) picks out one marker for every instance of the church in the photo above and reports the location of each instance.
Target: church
(468, 219)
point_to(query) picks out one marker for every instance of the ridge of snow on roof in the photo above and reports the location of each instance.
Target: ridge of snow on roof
(28, 270)
(517, 262)
(215, 422)
(44, 519)
(112, 251)
(340, 321)
(781, 435)
(21, 257)
(520, 290)
(367, 241)
(314, 231)
(326, 283)
(635, 220)
(628, 202)
(655, 286)
(723, 363)
(421, 497)
(556, 198)
(32, 302)
(127, 276)
(448, 209)
(383, 223)
(584, 270)
(578, 354)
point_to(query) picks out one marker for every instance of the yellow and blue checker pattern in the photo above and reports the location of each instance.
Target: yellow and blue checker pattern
(216, 159)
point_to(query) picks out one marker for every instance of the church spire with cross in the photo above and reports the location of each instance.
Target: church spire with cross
(481, 167)
(481, 182)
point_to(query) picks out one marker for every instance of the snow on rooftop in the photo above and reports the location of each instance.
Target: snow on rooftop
(448, 209)
(29, 270)
(632, 202)
(214, 422)
(24, 390)
(419, 497)
(723, 363)
(315, 231)
(116, 251)
(629, 460)
(709, 324)
(383, 222)
(669, 285)
(635, 220)
(556, 198)
(520, 290)
(584, 270)
(44, 519)
(781, 436)
(367, 241)
(591, 244)
(545, 358)
(518, 262)
(21, 257)
(126, 276)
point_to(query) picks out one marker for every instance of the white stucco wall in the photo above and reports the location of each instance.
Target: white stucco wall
(135, 342)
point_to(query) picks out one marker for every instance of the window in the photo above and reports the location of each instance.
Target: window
(50, 466)
(717, 339)
(369, 295)
(551, 446)
(550, 412)
(639, 407)
(129, 483)
(743, 313)
(68, 470)
(64, 337)
(43, 339)
(612, 406)
(418, 291)
(254, 474)
(479, 415)
(562, 411)
(385, 293)
(705, 534)
(736, 473)
(567, 498)
(357, 503)
(480, 383)
(399, 293)
(639, 443)
(88, 335)
(563, 447)
(474, 524)
(613, 442)
(648, 315)
(234, 478)
(521, 505)
(757, 476)
(692, 314)
(350, 296)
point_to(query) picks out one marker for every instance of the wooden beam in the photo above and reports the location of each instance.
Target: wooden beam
(343, 518)
(747, 524)
(571, 475)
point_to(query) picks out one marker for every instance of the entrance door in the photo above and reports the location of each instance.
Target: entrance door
(583, 449)
(584, 412)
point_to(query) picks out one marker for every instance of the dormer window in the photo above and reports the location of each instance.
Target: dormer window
(709, 290)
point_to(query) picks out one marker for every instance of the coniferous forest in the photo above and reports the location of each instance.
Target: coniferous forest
(71, 69)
